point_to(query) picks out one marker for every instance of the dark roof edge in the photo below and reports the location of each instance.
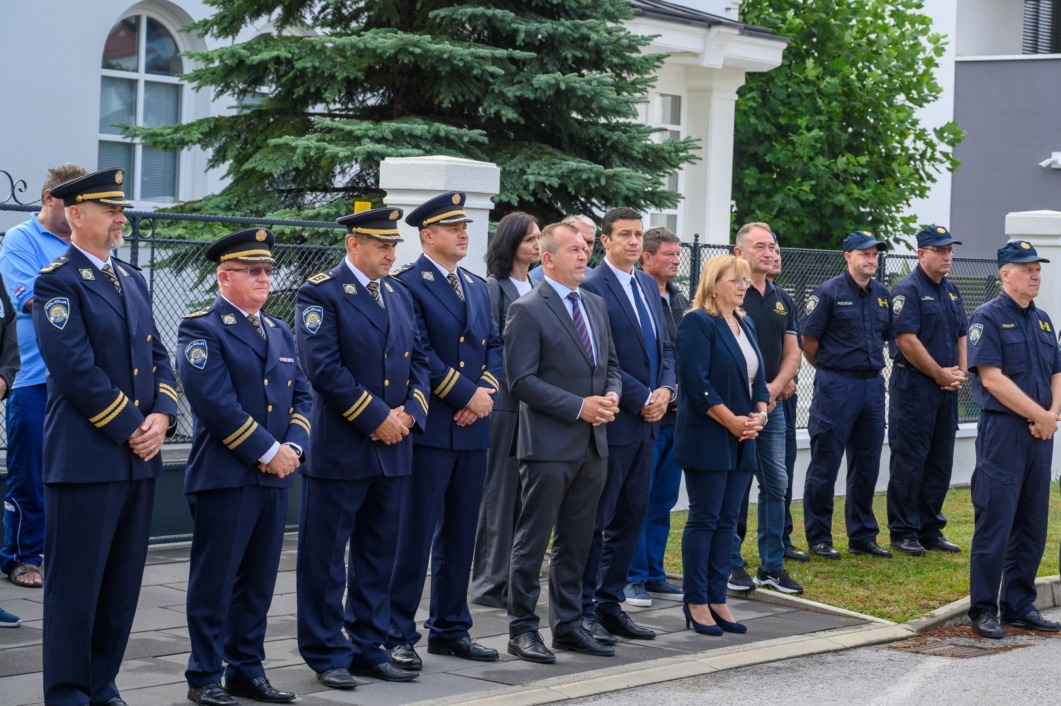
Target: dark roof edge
(670, 12)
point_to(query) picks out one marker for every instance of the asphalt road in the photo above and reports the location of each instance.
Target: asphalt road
(873, 676)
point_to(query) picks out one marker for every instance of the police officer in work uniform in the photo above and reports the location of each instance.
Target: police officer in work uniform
(361, 351)
(929, 366)
(251, 404)
(1016, 367)
(112, 398)
(847, 322)
(449, 459)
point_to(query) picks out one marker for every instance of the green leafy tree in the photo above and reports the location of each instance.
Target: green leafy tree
(829, 142)
(546, 89)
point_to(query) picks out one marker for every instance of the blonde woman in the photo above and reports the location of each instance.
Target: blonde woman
(721, 410)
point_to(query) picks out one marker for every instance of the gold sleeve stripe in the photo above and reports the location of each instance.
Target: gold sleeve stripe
(250, 421)
(355, 405)
(121, 402)
(300, 421)
(489, 378)
(302, 417)
(419, 397)
(447, 383)
(243, 437)
(169, 391)
(362, 404)
(108, 414)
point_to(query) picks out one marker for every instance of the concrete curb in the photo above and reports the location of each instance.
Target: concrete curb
(1049, 596)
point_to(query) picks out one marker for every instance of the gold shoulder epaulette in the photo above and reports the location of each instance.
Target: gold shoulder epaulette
(319, 277)
(201, 312)
(54, 264)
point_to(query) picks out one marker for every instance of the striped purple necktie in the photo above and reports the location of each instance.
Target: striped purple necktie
(580, 326)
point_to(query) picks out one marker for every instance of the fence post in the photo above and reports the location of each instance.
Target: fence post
(134, 240)
(694, 267)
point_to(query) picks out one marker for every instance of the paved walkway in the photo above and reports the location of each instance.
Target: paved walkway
(153, 671)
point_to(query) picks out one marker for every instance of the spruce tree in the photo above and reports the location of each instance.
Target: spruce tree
(546, 89)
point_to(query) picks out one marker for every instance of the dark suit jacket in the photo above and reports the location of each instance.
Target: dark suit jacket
(9, 357)
(362, 361)
(549, 372)
(463, 351)
(245, 395)
(629, 426)
(711, 371)
(107, 370)
(502, 294)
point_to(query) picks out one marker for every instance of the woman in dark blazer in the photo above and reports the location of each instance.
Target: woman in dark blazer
(509, 257)
(722, 401)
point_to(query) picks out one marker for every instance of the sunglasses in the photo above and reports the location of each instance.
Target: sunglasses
(253, 271)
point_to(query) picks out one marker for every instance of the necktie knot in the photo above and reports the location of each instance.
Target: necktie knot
(453, 282)
(373, 288)
(257, 324)
(108, 272)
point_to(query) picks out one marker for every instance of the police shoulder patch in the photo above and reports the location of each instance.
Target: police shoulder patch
(312, 318)
(58, 312)
(319, 277)
(812, 303)
(196, 352)
(898, 302)
(975, 332)
(54, 265)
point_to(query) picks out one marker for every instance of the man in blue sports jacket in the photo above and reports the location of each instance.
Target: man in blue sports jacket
(361, 350)
(449, 459)
(250, 402)
(112, 398)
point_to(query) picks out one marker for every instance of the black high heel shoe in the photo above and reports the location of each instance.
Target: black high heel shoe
(728, 625)
(713, 630)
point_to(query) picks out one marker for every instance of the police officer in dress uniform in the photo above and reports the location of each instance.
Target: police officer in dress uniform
(112, 399)
(929, 366)
(449, 459)
(251, 404)
(361, 351)
(847, 321)
(1016, 381)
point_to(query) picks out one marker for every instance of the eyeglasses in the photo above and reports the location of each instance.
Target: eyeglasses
(739, 282)
(949, 250)
(253, 271)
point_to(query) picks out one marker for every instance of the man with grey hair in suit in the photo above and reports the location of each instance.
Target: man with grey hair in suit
(587, 229)
(561, 365)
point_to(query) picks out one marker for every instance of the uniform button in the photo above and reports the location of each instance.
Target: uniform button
(154, 368)
(269, 408)
(462, 363)
(267, 382)
(385, 355)
(136, 371)
(407, 383)
(289, 383)
(406, 354)
(149, 337)
(291, 411)
(484, 341)
(484, 367)
(462, 339)
(136, 403)
(386, 383)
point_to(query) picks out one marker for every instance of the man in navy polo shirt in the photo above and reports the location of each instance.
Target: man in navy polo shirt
(929, 367)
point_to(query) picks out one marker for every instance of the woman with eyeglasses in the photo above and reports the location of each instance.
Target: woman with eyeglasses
(509, 257)
(722, 401)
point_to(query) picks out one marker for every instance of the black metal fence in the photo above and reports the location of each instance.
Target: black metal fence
(181, 281)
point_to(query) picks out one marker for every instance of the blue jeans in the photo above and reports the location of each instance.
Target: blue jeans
(666, 481)
(24, 499)
(773, 484)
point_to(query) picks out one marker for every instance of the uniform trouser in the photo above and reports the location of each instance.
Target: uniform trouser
(620, 516)
(96, 543)
(790, 406)
(714, 501)
(236, 541)
(24, 493)
(664, 487)
(497, 513)
(846, 415)
(1011, 498)
(333, 514)
(559, 497)
(440, 509)
(773, 483)
(922, 420)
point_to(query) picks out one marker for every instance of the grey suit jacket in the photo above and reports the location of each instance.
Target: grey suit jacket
(549, 372)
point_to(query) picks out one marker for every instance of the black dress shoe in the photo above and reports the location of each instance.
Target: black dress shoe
(796, 554)
(384, 671)
(620, 624)
(405, 657)
(824, 550)
(115, 701)
(529, 646)
(986, 625)
(579, 640)
(870, 549)
(258, 689)
(594, 628)
(211, 695)
(463, 648)
(908, 545)
(1033, 621)
(337, 678)
(939, 544)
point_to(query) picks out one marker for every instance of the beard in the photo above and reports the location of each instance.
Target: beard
(115, 240)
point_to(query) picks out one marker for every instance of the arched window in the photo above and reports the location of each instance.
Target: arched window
(139, 86)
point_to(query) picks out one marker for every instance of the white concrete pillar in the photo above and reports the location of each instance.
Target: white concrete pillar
(1043, 230)
(410, 181)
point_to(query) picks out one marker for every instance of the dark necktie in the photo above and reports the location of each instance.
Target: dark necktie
(456, 285)
(108, 271)
(253, 318)
(648, 332)
(580, 326)
(373, 288)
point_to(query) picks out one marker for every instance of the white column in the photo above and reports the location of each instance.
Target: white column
(410, 181)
